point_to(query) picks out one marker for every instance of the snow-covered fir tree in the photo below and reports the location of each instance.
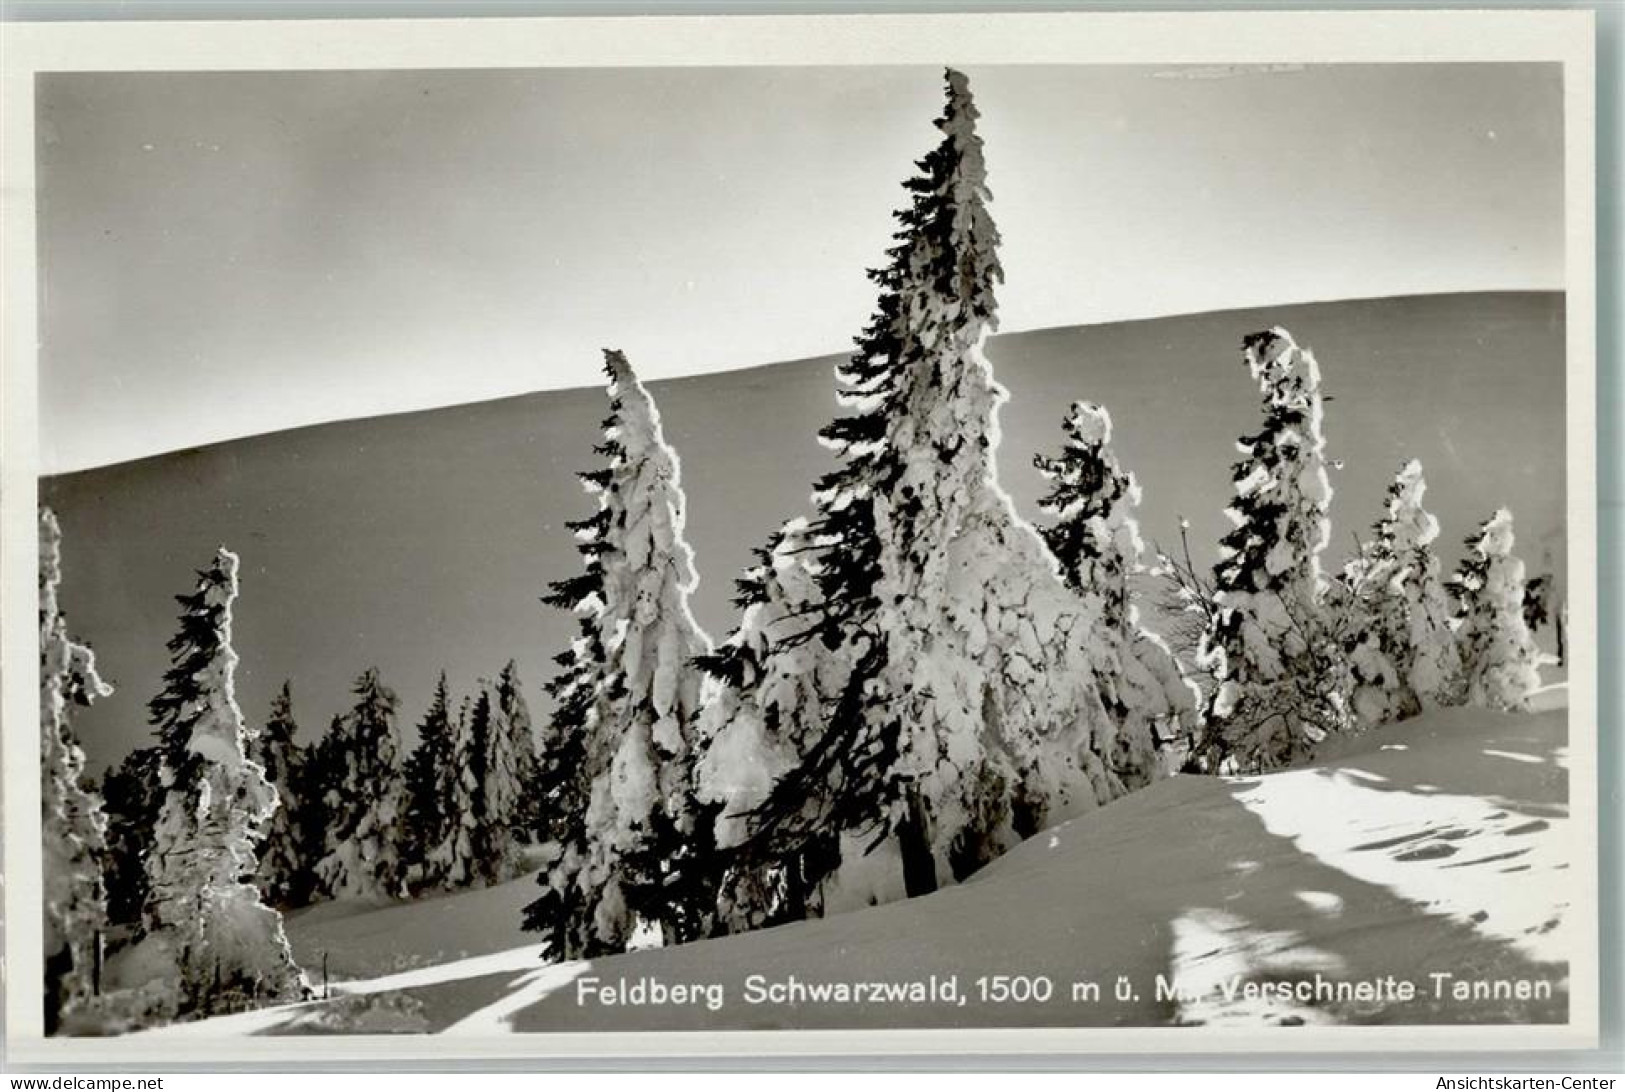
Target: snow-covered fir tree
(431, 795)
(1404, 655)
(493, 752)
(73, 825)
(514, 803)
(743, 755)
(1280, 672)
(559, 788)
(630, 690)
(285, 872)
(475, 838)
(911, 674)
(454, 863)
(1500, 662)
(132, 793)
(227, 946)
(1091, 500)
(1095, 538)
(366, 798)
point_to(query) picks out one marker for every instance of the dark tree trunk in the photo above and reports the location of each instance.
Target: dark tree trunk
(795, 888)
(919, 866)
(1562, 642)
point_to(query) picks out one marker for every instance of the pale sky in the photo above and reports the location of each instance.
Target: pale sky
(229, 254)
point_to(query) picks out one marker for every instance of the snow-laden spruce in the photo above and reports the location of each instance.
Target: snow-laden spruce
(132, 793)
(491, 771)
(1091, 500)
(1405, 658)
(226, 947)
(766, 668)
(432, 787)
(364, 789)
(285, 871)
(73, 825)
(911, 674)
(1096, 539)
(1499, 657)
(510, 774)
(1276, 658)
(627, 701)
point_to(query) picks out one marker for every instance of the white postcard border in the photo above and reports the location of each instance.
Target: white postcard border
(1207, 37)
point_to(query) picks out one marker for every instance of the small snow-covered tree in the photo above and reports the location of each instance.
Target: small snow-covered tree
(752, 736)
(322, 792)
(228, 947)
(1404, 654)
(286, 871)
(561, 786)
(431, 795)
(366, 798)
(491, 774)
(1091, 499)
(517, 806)
(505, 758)
(911, 681)
(630, 689)
(1499, 657)
(1096, 539)
(73, 825)
(132, 794)
(488, 820)
(1277, 660)
(466, 841)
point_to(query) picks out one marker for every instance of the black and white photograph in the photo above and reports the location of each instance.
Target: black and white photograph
(934, 540)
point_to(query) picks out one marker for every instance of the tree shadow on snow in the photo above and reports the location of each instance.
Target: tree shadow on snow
(1432, 853)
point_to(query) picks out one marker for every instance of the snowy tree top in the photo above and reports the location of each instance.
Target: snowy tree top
(1407, 523)
(217, 732)
(1495, 537)
(222, 588)
(959, 121)
(50, 554)
(57, 652)
(1090, 424)
(637, 420)
(1409, 482)
(1278, 363)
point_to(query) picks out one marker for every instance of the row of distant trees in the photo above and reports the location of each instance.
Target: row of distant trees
(357, 816)
(187, 851)
(918, 679)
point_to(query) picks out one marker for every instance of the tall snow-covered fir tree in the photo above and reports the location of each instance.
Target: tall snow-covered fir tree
(910, 678)
(228, 947)
(1405, 658)
(366, 797)
(630, 691)
(1279, 669)
(431, 795)
(285, 870)
(1500, 662)
(73, 825)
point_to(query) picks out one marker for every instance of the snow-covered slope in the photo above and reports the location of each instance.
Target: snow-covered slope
(1436, 847)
